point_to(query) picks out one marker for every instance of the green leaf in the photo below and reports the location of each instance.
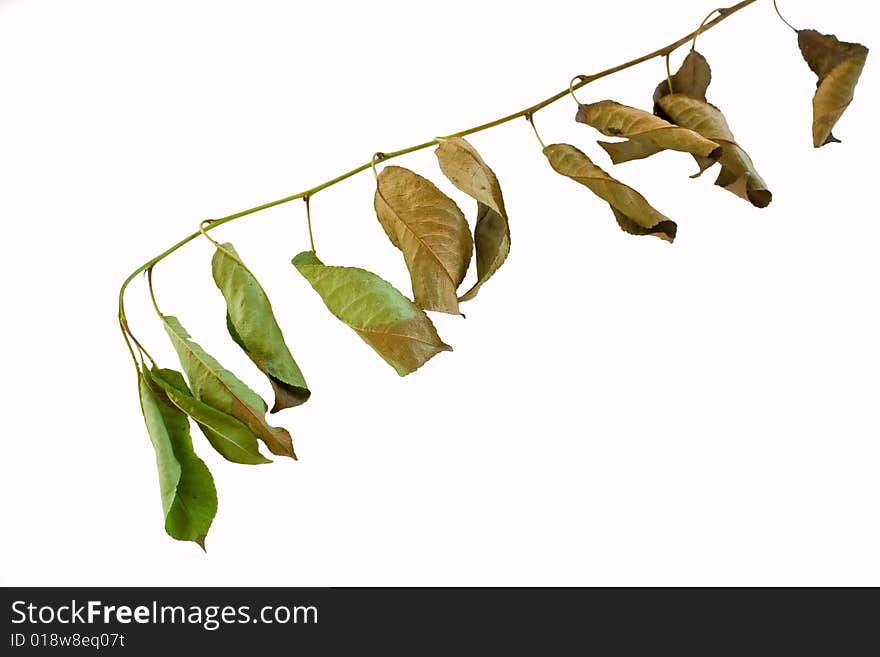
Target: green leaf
(252, 325)
(391, 324)
(633, 213)
(430, 230)
(231, 437)
(464, 167)
(189, 499)
(220, 388)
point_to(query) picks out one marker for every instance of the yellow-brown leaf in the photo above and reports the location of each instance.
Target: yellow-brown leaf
(464, 167)
(646, 133)
(738, 173)
(430, 230)
(838, 65)
(634, 214)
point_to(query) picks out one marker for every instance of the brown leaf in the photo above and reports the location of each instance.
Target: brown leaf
(838, 65)
(634, 214)
(692, 79)
(646, 134)
(464, 167)
(430, 230)
(738, 173)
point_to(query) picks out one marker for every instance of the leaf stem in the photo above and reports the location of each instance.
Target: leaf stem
(531, 121)
(782, 18)
(309, 222)
(584, 80)
(721, 11)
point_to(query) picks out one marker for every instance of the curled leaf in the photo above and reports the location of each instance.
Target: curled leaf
(189, 499)
(464, 167)
(216, 386)
(401, 333)
(634, 214)
(692, 79)
(230, 437)
(252, 325)
(738, 173)
(646, 133)
(430, 230)
(685, 105)
(838, 65)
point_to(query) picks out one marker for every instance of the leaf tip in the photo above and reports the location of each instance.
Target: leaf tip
(200, 541)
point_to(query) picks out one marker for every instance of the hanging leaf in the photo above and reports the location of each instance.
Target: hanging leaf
(646, 134)
(220, 388)
(687, 107)
(634, 214)
(252, 325)
(391, 324)
(692, 79)
(838, 65)
(189, 499)
(430, 230)
(464, 167)
(738, 173)
(230, 437)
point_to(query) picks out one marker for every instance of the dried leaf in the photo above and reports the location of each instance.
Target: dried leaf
(230, 437)
(189, 499)
(391, 324)
(838, 65)
(738, 173)
(634, 214)
(464, 167)
(646, 133)
(252, 325)
(220, 388)
(430, 230)
(692, 79)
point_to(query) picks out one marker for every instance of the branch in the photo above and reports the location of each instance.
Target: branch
(381, 157)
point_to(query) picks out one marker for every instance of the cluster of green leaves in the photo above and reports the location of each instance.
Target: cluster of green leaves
(435, 239)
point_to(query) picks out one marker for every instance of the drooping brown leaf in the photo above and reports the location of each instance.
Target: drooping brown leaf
(838, 65)
(464, 167)
(692, 79)
(430, 230)
(634, 214)
(738, 173)
(646, 133)
(686, 105)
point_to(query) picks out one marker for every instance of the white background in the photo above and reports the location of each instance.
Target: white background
(617, 411)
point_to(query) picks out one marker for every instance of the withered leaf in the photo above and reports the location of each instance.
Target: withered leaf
(634, 214)
(253, 327)
(464, 167)
(692, 79)
(838, 65)
(400, 332)
(189, 499)
(430, 230)
(646, 133)
(738, 173)
(216, 386)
